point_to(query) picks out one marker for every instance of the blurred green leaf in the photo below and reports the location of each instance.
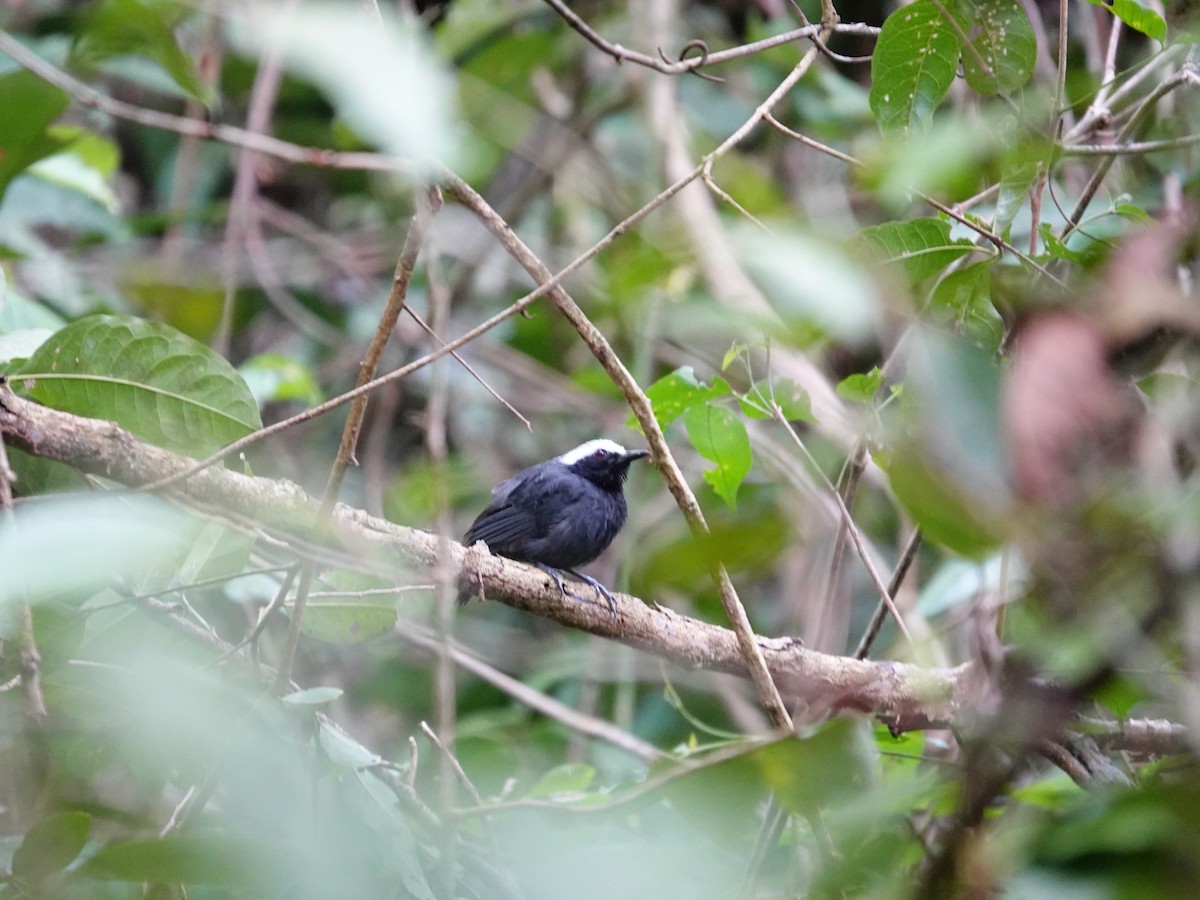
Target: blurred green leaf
(1136, 15)
(720, 437)
(923, 246)
(75, 546)
(316, 696)
(959, 581)
(116, 28)
(571, 778)
(863, 386)
(377, 70)
(947, 512)
(810, 284)
(148, 378)
(85, 165)
(347, 623)
(913, 66)
(230, 859)
(674, 394)
(50, 845)
(30, 104)
(215, 551)
(963, 300)
(840, 749)
(343, 750)
(274, 377)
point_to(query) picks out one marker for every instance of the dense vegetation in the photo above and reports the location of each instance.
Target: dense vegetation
(902, 301)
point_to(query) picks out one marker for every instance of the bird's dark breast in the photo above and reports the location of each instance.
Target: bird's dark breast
(575, 536)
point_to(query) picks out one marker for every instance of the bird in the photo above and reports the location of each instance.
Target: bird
(559, 514)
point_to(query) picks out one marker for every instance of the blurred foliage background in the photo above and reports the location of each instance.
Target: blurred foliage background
(949, 277)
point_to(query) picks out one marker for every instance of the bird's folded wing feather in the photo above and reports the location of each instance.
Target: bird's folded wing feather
(500, 527)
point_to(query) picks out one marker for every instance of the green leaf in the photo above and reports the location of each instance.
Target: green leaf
(317, 696)
(963, 299)
(570, 778)
(923, 246)
(30, 105)
(946, 512)
(50, 845)
(1002, 49)
(812, 285)
(792, 400)
(842, 750)
(1058, 250)
(959, 581)
(720, 437)
(273, 377)
(1136, 15)
(1014, 192)
(72, 547)
(673, 395)
(347, 623)
(343, 750)
(1120, 694)
(913, 66)
(145, 28)
(225, 859)
(862, 387)
(85, 165)
(150, 379)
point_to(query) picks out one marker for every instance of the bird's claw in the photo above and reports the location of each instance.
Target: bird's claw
(600, 589)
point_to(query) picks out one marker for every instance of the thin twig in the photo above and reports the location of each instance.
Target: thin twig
(686, 63)
(412, 313)
(989, 235)
(851, 527)
(1186, 75)
(548, 706)
(229, 134)
(898, 575)
(268, 76)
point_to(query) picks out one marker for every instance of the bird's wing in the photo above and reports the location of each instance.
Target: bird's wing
(503, 527)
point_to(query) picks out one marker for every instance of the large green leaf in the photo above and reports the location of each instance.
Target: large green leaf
(149, 378)
(913, 66)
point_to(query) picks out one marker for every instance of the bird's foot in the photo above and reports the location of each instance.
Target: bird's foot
(567, 592)
(599, 588)
(558, 580)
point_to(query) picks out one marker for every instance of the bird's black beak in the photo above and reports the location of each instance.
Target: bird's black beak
(636, 454)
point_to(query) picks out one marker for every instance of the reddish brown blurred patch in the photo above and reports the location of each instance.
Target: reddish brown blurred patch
(1066, 414)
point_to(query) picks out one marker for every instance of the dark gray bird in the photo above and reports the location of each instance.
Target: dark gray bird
(559, 514)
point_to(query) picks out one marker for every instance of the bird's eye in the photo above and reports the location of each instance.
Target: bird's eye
(600, 454)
